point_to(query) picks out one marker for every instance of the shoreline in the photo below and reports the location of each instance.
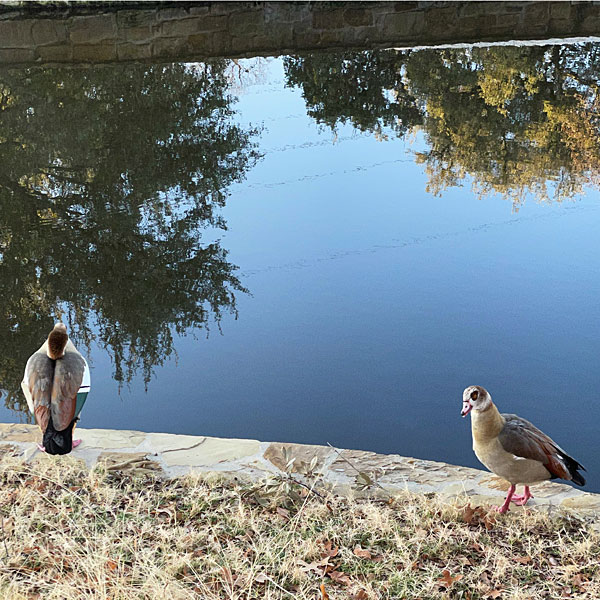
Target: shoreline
(173, 455)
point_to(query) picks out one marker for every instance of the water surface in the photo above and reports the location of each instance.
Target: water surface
(320, 248)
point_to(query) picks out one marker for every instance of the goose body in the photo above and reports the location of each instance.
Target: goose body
(515, 449)
(51, 384)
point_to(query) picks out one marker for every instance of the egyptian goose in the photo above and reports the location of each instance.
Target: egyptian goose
(53, 377)
(514, 449)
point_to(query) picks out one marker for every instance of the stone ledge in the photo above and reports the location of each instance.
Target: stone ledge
(102, 33)
(173, 455)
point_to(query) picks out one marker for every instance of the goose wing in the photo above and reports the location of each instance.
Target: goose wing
(522, 438)
(68, 375)
(39, 374)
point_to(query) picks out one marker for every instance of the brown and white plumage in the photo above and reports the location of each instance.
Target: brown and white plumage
(53, 375)
(513, 448)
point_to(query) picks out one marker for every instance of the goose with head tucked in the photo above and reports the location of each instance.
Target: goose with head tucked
(514, 449)
(53, 377)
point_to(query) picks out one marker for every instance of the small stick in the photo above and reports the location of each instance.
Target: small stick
(4, 537)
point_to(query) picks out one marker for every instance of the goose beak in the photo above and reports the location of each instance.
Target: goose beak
(466, 409)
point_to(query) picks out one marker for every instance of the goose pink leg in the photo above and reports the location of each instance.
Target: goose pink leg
(505, 506)
(521, 499)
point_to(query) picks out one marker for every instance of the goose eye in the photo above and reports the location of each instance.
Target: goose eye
(474, 395)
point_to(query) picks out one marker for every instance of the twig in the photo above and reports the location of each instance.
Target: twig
(4, 537)
(389, 495)
(311, 489)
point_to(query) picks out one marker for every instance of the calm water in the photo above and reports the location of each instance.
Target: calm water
(315, 249)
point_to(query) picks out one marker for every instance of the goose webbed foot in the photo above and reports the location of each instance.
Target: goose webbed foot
(521, 499)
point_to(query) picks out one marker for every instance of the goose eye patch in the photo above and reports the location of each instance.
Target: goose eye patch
(474, 395)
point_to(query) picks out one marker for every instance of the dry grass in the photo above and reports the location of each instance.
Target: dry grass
(75, 534)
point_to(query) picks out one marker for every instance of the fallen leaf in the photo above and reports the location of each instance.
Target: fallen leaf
(553, 561)
(447, 580)
(468, 514)
(340, 577)
(261, 578)
(324, 594)
(282, 512)
(524, 560)
(360, 552)
(494, 594)
(329, 550)
(112, 565)
(318, 566)
(579, 580)
(360, 595)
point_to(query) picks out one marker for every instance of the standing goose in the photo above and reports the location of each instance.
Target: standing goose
(53, 377)
(514, 449)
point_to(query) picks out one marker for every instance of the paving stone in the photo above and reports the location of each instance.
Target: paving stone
(109, 438)
(303, 454)
(457, 489)
(587, 502)
(19, 432)
(184, 450)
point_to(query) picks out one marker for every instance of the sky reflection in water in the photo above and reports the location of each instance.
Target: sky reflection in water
(373, 303)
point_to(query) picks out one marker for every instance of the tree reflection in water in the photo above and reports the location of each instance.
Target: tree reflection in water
(517, 120)
(108, 175)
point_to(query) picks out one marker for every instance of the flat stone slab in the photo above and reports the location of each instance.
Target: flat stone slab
(19, 432)
(193, 451)
(346, 471)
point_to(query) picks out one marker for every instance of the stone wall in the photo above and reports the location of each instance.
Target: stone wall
(82, 33)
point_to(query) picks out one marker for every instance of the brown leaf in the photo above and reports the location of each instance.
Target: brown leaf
(282, 512)
(494, 593)
(447, 580)
(360, 595)
(112, 565)
(579, 580)
(340, 577)
(468, 514)
(524, 560)
(489, 520)
(324, 594)
(329, 549)
(360, 552)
